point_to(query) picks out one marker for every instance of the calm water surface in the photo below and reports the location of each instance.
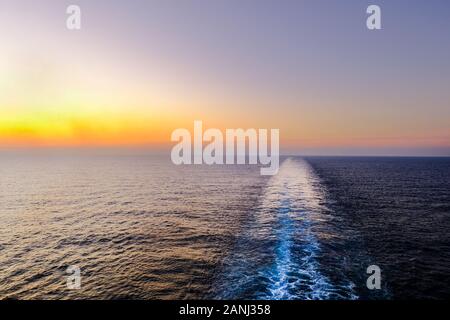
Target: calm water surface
(140, 227)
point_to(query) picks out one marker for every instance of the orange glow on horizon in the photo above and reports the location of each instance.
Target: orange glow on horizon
(131, 130)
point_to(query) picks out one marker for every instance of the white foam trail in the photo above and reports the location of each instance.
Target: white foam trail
(299, 213)
(279, 253)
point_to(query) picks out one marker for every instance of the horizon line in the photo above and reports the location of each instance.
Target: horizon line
(163, 151)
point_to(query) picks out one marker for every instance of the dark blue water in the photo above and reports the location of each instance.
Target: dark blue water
(401, 210)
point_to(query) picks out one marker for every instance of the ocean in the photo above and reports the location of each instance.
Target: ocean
(139, 227)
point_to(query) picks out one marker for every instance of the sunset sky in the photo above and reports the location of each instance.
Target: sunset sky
(137, 70)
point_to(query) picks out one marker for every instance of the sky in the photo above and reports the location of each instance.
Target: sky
(137, 70)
